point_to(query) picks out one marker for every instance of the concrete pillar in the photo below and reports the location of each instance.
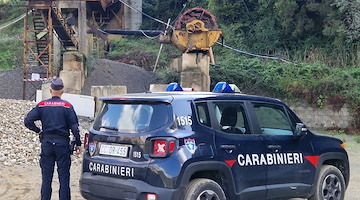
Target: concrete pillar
(102, 91)
(195, 79)
(56, 56)
(158, 87)
(82, 28)
(74, 72)
(133, 18)
(45, 91)
(194, 71)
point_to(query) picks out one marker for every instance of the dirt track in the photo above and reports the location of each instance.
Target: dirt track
(353, 149)
(23, 182)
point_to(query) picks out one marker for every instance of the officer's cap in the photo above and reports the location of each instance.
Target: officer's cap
(57, 84)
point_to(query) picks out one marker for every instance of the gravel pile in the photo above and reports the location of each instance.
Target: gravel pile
(20, 146)
(11, 85)
(107, 72)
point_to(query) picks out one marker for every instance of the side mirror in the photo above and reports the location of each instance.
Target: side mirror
(301, 129)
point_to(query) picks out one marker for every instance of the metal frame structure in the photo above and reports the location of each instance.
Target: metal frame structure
(41, 21)
(38, 35)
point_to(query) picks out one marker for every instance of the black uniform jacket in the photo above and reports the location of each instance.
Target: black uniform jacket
(57, 117)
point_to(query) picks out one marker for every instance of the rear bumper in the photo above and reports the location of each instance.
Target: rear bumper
(102, 187)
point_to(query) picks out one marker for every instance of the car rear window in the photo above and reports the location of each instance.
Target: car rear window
(131, 118)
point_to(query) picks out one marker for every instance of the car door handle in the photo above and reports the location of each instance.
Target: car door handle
(228, 147)
(274, 147)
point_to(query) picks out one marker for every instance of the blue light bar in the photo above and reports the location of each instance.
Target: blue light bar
(174, 87)
(222, 87)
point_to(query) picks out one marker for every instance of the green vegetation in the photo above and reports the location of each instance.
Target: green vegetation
(357, 139)
(141, 52)
(10, 49)
(326, 31)
(315, 83)
(10, 37)
(322, 37)
(10, 2)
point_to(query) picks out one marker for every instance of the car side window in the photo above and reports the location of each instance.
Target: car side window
(273, 120)
(231, 117)
(203, 113)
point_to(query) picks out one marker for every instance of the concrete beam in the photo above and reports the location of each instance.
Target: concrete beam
(74, 72)
(103, 91)
(194, 71)
(133, 18)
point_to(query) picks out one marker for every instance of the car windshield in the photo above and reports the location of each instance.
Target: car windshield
(131, 118)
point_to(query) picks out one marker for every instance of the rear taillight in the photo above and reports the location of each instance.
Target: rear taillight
(151, 196)
(86, 140)
(162, 147)
(171, 146)
(159, 148)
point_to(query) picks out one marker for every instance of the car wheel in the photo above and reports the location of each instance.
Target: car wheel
(330, 184)
(204, 189)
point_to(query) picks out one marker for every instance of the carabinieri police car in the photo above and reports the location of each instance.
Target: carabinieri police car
(218, 145)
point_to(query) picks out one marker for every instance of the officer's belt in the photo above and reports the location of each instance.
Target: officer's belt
(56, 136)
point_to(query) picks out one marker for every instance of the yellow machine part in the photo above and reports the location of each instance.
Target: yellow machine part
(195, 38)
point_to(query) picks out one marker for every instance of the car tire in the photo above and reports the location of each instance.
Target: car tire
(330, 184)
(204, 189)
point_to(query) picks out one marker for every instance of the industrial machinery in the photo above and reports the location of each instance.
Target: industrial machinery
(195, 30)
(45, 19)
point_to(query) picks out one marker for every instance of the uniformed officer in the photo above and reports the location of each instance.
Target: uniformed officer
(57, 118)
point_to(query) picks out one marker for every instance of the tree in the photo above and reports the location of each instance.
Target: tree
(169, 9)
(350, 15)
(13, 2)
